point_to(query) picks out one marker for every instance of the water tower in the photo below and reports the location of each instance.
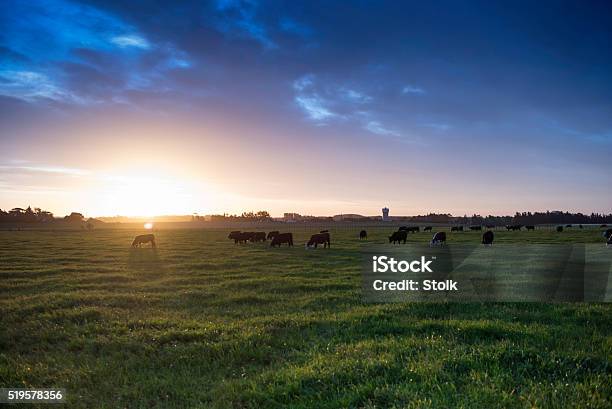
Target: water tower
(385, 217)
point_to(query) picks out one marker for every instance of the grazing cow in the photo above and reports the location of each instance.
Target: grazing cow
(607, 234)
(530, 228)
(258, 236)
(398, 236)
(239, 237)
(438, 239)
(487, 238)
(559, 229)
(457, 228)
(282, 238)
(272, 234)
(363, 235)
(514, 227)
(427, 228)
(321, 238)
(144, 239)
(475, 228)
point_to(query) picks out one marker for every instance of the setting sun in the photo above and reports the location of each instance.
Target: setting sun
(148, 225)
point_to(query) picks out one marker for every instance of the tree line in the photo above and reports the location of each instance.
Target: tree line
(36, 215)
(524, 218)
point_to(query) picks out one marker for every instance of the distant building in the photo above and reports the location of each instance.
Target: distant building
(385, 216)
(292, 217)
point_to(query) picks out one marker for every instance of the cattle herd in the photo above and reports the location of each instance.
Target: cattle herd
(400, 236)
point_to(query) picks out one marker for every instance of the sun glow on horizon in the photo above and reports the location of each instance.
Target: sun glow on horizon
(148, 196)
(148, 225)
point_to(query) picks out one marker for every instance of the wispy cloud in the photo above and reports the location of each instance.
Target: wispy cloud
(88, 56)
(413, 89)
(356, 96)
(598, 137)
(308, 99)
(378, 128)
(131, 40)
(315, 108)
(47, 169)
(324, 102)
(32, 86)
(240, 18)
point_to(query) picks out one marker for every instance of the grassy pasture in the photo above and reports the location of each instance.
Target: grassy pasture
(202, 322)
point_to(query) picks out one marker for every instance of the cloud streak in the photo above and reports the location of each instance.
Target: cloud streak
(88, 56)
(412, 89)
(324, 102)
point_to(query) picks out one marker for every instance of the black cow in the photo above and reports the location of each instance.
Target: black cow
(272, 234)
(282, 238)
(258, 236)
(398, 236)
(321, 238)
(457, 228)
(487, 238)
(363, 235)
(559, 229)
(438, 239)
(514, 227)
(427, 228)
(239, 237)
(530, 228)
(475, 228)
(568, 225)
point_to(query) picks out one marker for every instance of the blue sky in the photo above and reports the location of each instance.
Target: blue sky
(348, 106)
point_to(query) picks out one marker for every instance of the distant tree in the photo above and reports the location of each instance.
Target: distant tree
(74, 217)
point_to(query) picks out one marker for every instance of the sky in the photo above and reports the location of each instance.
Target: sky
(317, 107)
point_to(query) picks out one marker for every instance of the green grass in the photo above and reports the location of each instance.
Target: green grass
(202, 322)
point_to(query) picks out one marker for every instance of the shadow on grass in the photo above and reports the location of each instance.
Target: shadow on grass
(145, 260)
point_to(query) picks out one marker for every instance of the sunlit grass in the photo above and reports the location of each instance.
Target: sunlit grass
(202, 322)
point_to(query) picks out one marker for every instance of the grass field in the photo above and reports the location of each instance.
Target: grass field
(202, 322)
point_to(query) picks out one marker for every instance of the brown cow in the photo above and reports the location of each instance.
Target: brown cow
(144, 239)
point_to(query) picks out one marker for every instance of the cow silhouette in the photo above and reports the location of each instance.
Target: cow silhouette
(144, 239)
